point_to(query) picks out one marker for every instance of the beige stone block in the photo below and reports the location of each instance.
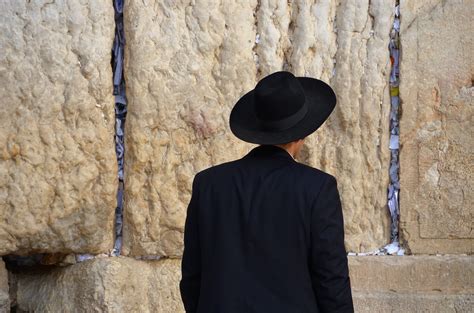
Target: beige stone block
(4, 290)
(405, 274)
(389, 302)
(4, 303)
(186, 65)
(57, 155)
(353, 146)
(114, 284)
(436, 128)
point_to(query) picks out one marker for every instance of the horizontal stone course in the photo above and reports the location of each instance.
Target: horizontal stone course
(123, 284)
(110, 284)
(391, 302)
(420, 273)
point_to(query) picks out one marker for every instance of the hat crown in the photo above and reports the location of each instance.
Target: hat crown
(278, 96)
(282, 108)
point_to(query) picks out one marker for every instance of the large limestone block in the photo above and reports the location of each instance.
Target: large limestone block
(345, 44)
(57, 157)
(354, 144)
(447, 274)
(186, 65)
(437, 150)
(389, 302)
(117, 284)
(383, 283)
(419, 283)
(4, 289)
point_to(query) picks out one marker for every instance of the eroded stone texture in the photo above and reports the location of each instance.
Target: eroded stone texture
(57, 159)
(186, 65)
(448, 274)
(437, 126)
(386, 283)
(4, 290)
(389, 302)
(354, 144)
(412, 283)
(116, 284)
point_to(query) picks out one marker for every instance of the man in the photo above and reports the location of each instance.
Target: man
(264, 233)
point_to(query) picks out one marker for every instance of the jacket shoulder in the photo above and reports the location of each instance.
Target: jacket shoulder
(304, 172)
(313, 173)
(217, 170)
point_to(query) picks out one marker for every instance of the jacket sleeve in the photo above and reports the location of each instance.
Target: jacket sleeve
(191, 261)
(328, 259)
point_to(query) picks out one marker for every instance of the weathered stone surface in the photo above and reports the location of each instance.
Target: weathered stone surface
(412, 283)
(354, 145)
(186, 65)
(385, 284)
(57, 158)
(405, 274)
(4, 290)
(389, 302)
(437, 150)
(103, 285)
(4, 302)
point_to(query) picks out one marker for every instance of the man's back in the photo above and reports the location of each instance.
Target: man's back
(265, 234)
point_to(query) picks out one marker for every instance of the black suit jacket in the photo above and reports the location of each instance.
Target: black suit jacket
(264, 234)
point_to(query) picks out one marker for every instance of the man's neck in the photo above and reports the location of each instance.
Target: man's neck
(290, 148)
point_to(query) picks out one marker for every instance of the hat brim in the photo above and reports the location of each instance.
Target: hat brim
(320, 99)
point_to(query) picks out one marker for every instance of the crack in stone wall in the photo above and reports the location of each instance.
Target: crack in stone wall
(120, 116)
(393, 247)
(394, 186)
(257, 40)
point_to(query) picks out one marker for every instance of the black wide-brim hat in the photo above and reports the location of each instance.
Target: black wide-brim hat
(282, 108)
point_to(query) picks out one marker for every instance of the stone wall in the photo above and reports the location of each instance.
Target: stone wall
(437, 127)
(122, 284)
(57, 161)
(187, 65)
(116, 284)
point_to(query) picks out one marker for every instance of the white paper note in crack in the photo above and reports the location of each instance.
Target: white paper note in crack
(394, 142)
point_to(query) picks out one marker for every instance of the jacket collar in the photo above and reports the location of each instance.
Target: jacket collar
(270, 151)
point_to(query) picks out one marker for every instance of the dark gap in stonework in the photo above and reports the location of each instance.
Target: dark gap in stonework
(393, 190)
(31, 264)
(394, 145)
(120, 115)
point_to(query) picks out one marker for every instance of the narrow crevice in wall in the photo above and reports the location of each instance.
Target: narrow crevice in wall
(257, 41)
(393, 190)
(394, 185)
(288, 49)
(120, 115)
